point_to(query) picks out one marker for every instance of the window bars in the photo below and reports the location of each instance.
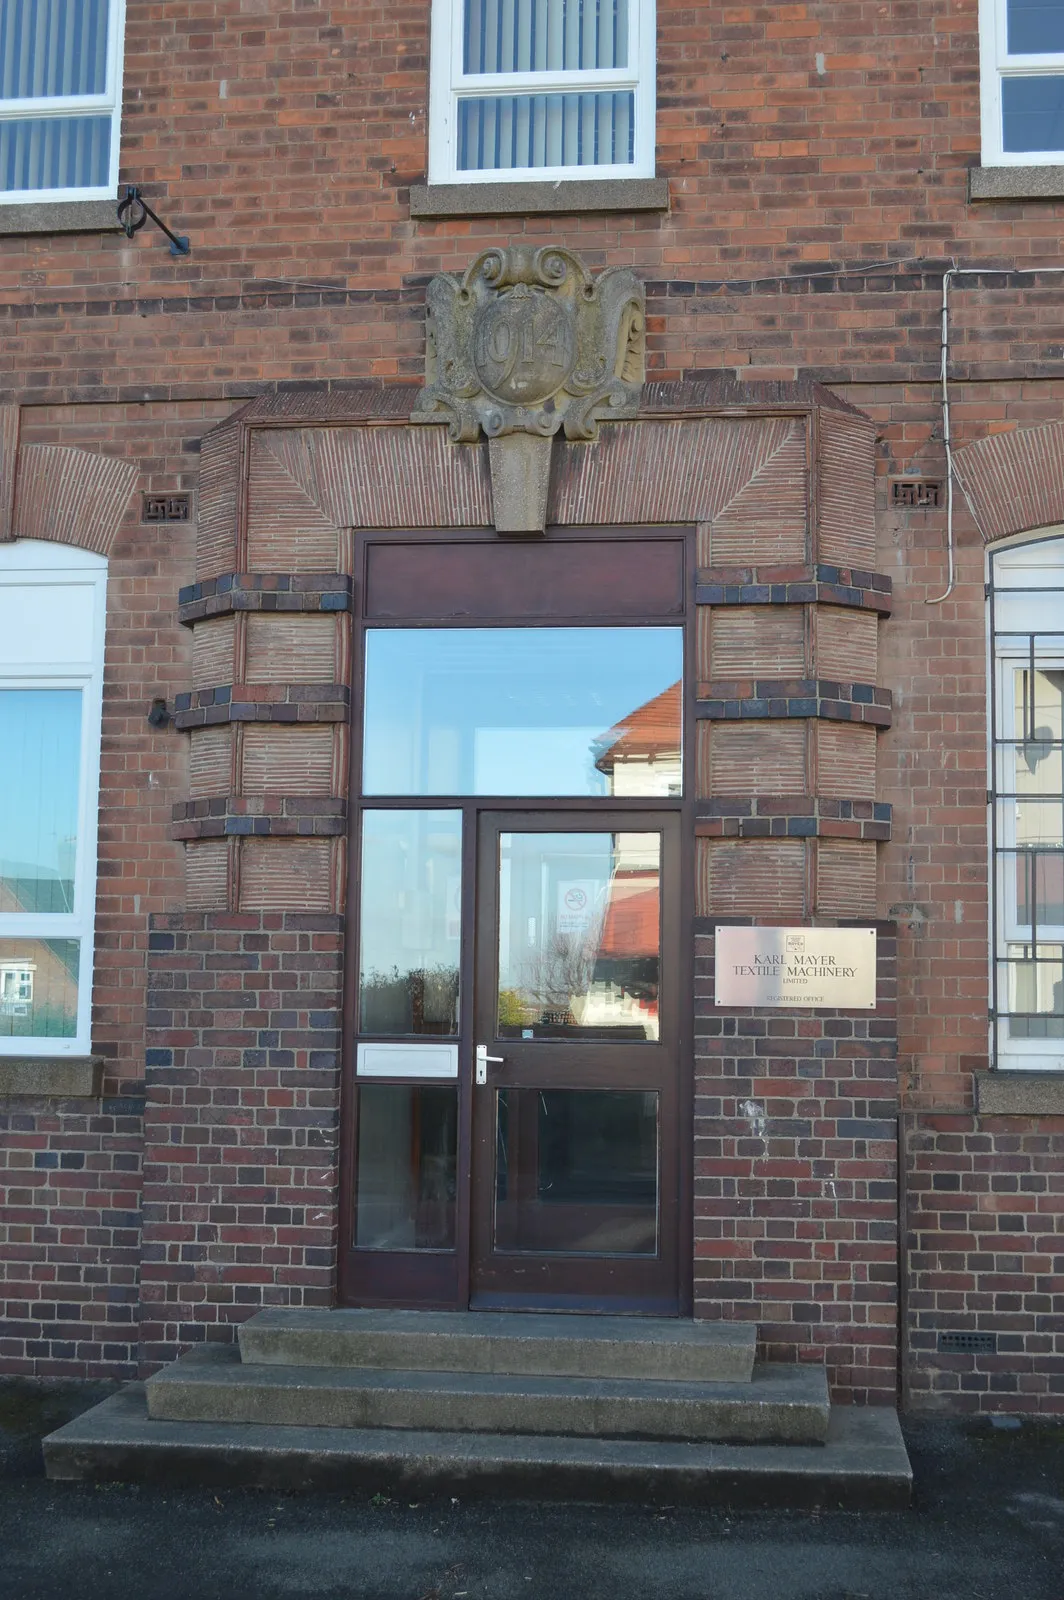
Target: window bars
(1026, 599)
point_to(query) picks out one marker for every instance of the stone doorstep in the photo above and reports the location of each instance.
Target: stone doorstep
(782, 1404)
(862, 1465)
(547, 1343)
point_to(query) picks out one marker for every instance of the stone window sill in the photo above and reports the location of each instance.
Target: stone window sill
(57, 1077)
(440, 200)
(1019, 1094)
(60, 216)
(1016, 183)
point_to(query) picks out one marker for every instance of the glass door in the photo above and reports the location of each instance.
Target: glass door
(575, 1140)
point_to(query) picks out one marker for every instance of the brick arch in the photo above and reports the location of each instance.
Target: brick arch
(55, 492)
(1014, 482)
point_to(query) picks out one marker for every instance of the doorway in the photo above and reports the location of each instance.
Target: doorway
(516, 1110)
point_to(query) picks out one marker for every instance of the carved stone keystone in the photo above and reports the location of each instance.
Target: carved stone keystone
(527, 342)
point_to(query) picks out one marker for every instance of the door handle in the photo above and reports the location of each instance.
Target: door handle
(482, 1062)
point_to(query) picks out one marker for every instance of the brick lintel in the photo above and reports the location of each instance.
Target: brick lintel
(795, 585)
(264, 591)
(792, 817)
(260, 816)
(794, 697)
(262, 702)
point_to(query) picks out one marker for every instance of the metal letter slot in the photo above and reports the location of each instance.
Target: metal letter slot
(482, 1062)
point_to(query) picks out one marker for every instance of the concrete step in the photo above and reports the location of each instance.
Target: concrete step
(488, 1341)
(861, 1466)
(781, 1404)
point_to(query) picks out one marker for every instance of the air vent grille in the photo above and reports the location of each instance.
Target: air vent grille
(166, 508)
(918, 493)
(967, 1344)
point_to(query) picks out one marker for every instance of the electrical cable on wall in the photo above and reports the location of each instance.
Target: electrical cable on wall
(951, 273)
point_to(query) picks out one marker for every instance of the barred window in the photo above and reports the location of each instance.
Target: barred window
(60, 98)
(1026, 597)
(541, 89)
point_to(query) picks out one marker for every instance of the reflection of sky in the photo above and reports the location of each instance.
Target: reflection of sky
(514, 711)
(411, 890)
(40, 748)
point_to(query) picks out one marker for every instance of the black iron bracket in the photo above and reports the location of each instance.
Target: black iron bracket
(133, 213)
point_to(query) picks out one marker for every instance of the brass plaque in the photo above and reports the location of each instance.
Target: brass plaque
(824, 968)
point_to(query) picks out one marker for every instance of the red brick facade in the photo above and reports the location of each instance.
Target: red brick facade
(818, 160)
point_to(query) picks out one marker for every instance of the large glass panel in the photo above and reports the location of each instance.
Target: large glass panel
(545, 35)
(579, 935)
(546, 130)
(410, 922)
(1032, 113)
(1039, 717)
(1040, 822)
(1040, 888)
(55, 152)
(40, 755)
(576, 1171)
(1035, 27)
(39, 988)
(52, 47)
(1034, 984)
(407, 1140)
(523, 711)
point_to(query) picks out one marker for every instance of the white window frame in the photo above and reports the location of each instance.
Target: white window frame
(448, 84)
(1007, 651)
(79, 105)
(995, 63)
(47, 566)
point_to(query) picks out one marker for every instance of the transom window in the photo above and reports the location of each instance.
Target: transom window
(523, 711)
(51, 665)
(1027, 700)
(540, 89)
(60, 98)
(1022, 78)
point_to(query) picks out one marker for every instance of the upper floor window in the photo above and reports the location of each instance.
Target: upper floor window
(1027, 820)
(52, 601)
(60, 98)
(541, 89)
(1022, 78)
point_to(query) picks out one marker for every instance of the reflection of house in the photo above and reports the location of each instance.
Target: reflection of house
(642, 754)
(16, 987)
(38, 977)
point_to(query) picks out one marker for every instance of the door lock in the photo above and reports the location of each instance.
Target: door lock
(482, 1062)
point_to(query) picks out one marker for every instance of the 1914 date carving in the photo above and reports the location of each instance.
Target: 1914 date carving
(528, 341)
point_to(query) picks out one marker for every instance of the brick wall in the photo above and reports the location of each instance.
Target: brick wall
(70, 1236)
(70, 1170)
(818, 158)
(796, 1180)
(984, 1232)
(240, 1126)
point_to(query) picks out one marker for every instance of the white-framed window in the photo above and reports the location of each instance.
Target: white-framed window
(541, 89)
(52, 612)
(1021, 56)
(1026, 604)
(60, 99)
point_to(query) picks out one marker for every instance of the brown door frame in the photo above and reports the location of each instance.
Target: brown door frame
(580, 1281)
(427, 1278)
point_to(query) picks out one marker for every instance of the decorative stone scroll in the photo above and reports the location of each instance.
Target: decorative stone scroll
(525, 343)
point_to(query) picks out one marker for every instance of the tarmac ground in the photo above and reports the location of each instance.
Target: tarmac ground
(987, 1523)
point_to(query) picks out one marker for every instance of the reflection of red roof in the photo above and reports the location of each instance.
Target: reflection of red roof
(631, 924)
(652, 730)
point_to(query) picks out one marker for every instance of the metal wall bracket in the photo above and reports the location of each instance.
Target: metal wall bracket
(133, 212)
